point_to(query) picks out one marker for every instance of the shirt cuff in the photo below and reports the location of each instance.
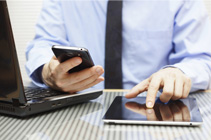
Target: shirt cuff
(36, 77)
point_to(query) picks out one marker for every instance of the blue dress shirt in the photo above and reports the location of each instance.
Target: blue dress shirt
(156, 34)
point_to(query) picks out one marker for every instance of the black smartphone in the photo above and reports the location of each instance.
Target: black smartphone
(64, 53)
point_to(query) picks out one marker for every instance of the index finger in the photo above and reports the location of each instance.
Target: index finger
(152, 91)
(141, 87)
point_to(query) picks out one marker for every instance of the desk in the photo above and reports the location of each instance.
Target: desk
(84, 121)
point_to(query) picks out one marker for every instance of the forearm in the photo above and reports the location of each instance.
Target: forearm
(37, 55)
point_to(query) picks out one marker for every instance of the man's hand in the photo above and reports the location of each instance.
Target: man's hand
(174, 82)
(56, 76)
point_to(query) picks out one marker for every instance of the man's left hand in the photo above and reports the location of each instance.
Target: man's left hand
(174, 82)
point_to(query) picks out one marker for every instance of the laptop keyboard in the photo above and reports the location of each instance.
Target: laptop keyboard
(39, 93)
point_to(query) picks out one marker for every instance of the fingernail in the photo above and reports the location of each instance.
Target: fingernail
(99, 71)
(149, 105)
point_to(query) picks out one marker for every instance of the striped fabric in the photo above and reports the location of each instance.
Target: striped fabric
(84, 122)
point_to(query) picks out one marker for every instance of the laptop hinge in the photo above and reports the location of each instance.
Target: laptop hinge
(15, 102)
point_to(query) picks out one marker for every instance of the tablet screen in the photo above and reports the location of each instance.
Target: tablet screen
(134, 111)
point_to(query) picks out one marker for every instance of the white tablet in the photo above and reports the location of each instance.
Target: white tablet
(134, 111)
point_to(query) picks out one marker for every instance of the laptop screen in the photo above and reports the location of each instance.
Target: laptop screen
(10, 82)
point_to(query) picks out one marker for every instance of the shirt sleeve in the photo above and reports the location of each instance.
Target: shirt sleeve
(192, 44)
(50, 30)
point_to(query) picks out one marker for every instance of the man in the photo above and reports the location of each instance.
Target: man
(165, 44)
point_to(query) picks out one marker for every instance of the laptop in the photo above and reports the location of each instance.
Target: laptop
(17, 100)
(183, 112)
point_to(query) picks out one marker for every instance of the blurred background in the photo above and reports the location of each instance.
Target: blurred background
(23, 16)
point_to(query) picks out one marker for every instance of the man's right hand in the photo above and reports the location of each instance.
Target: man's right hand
(56, 76)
